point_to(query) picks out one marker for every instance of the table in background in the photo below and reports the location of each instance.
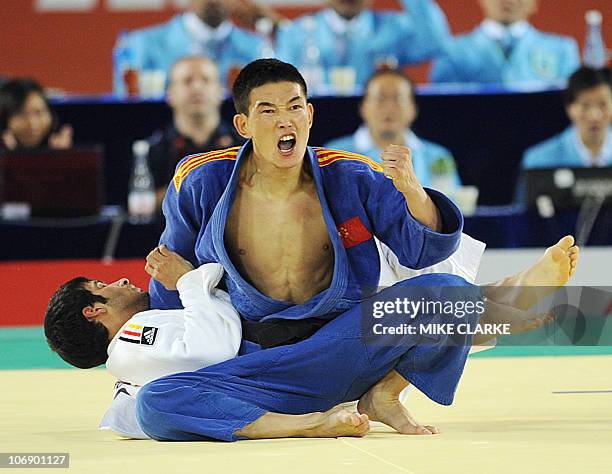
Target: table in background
(486, 128)
(88, 238)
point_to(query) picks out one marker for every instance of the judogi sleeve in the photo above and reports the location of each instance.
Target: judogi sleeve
(206, 332)
(184, 217)
(212, 326)
(415, 245)
(465, 263)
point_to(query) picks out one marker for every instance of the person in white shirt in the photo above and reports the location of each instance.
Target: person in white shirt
(143, 345)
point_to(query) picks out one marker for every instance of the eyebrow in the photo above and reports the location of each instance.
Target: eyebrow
(269, 104)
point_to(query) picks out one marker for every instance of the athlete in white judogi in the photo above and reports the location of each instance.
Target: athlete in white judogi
(156, 343)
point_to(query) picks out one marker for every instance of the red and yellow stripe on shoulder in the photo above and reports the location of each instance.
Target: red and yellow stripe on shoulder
(327, 156)
(196, 161)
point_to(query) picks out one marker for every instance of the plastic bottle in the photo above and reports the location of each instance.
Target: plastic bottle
(595, 53)
(141, 198)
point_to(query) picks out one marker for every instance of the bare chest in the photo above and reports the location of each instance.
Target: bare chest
(282, 248)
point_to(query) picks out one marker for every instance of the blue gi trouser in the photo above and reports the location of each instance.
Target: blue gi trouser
(334, 365)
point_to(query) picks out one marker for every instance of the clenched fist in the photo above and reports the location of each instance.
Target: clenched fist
(166, 266)
(397, 165)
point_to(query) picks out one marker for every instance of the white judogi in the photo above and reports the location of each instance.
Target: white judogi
(156, 343)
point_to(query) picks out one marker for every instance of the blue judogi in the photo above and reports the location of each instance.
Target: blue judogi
(566, 150)
(371, 37)
(534, 56)
(425, 154)
(335, 365)
(358, 202)
(158, 47)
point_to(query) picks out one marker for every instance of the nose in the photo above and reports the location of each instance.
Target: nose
(284, 120)
(122, 282)
(594, 113)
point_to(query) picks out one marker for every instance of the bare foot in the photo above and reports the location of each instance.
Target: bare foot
(382, 404)
(339, 422)
(550, 272)
(555, 267)
(519, 320)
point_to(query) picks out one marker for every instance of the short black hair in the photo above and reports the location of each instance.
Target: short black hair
(583, 79)
(259, 73)
(77, 340)
(391, 72)
(13, 95)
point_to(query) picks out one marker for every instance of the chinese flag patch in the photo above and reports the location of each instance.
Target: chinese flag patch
(353, 232)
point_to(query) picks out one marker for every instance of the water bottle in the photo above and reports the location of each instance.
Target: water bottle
(141, 198)
(595, 53)
(311, 69)
(125, 71)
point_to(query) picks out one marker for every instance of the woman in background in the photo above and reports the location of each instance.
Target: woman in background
(26, 121)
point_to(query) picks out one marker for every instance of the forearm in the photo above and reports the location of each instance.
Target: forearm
(423, 209)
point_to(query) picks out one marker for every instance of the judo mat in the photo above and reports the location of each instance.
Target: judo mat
(513, 414)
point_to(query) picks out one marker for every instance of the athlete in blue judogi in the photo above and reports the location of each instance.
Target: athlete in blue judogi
(506, 49)
(205, 31)
(294, 226)
(348, 34)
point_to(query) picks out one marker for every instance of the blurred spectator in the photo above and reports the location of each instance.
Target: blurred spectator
(389, 109)
(204, 29)
(195, 96)
(505, 48)
(349, 34)
(26, 120)
(588, 140)
(248, 12)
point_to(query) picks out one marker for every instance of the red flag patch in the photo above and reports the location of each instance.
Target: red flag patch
(353, 232)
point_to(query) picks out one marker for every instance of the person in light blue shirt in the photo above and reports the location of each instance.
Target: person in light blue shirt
(388, 110)
(506, 49)
(588, 141)
(348, 34)
(205, 29)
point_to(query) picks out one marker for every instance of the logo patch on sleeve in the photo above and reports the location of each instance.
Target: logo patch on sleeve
(148, 336)
(137, 334)
(353, 232)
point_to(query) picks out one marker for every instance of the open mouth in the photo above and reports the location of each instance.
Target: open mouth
(286, 143)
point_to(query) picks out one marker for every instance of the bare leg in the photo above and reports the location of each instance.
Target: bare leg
(331, 424)
(381, 403)
(550, 272)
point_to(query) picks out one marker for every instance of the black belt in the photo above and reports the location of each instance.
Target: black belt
(280, 331)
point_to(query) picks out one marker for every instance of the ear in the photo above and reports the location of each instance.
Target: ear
(572, 111)
(361, 106)
(94, 312)
(310, 109)
(416, 111)
(170, 96)
(240, 123)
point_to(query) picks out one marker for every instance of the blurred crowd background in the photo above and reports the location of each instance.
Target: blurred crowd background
(506, 105)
